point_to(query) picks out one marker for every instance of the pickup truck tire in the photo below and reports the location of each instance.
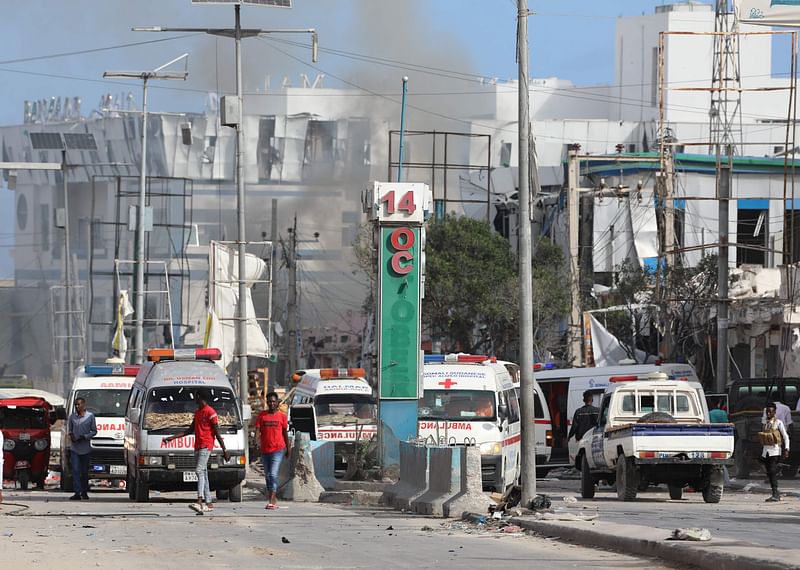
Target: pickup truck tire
(675, 492)
(627, 479)
(587, 481)
(712, 493)
(741, 461)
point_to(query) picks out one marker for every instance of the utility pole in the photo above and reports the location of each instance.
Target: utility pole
(528, 476)
(291, 305)
(238, 33)
(576, 317)
(145, 76)
(725, 167)
(67, 270)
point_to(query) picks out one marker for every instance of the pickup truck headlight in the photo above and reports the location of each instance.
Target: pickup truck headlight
(151, 460)
(40, 444)
(491, 448)
(9, 444)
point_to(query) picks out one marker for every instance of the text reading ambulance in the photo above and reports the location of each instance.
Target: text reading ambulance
(334, 404)
(470, 400)
(105, 388)
(162, 403)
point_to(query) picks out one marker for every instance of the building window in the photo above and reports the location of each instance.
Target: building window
(505, 154)
(319, 158)
(752, 233)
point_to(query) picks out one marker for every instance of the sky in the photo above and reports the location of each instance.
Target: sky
(61, 48)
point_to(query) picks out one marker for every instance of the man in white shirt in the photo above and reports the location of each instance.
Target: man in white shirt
(771, 454)
(782, 411)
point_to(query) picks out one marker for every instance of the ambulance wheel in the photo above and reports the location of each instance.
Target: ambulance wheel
(235, 493)
(588, 485)
(675, 492)
(141, 491)
(222, 494)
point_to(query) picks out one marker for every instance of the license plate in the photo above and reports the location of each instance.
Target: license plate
(118, 470)
(24, 437)
(189, 477)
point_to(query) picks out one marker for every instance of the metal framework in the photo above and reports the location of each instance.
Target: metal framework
(442, 139)
(725, 115)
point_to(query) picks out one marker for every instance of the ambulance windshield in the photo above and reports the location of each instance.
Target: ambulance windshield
(105, 403)
(334, 409)
(457, 405)
(174, 407)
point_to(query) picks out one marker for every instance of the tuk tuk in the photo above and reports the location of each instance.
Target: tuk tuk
(25, 423)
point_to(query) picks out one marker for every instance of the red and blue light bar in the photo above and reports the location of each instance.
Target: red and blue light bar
(543, 366)
(457, 358)
(111, 370)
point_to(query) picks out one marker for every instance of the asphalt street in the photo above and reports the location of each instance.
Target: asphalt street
(45, 529)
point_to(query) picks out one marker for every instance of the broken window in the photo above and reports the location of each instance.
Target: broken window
(752, 232)
(267, 150)
(319, 156)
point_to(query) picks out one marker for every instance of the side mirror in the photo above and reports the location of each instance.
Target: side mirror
(502, 411)
(134, 414)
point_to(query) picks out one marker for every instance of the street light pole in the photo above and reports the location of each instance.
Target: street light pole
(528, 462)
(241, 237)
(139, 302)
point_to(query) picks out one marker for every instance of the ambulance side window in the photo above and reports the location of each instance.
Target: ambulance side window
(513, 406)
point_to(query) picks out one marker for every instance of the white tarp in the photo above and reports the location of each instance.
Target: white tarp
(769, 12)
(223, 300)
(644, 227)
(606, 348)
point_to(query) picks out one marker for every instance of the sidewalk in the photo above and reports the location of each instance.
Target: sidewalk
(719, 553)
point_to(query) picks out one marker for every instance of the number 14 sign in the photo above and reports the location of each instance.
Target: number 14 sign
(401, 202)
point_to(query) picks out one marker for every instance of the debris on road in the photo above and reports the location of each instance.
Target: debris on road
(695, 534)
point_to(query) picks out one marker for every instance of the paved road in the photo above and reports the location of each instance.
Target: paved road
(111, 532)
(739, 515)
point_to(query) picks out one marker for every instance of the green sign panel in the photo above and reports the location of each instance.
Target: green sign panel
(399, 318)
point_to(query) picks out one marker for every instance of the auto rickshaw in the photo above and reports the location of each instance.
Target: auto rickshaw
(25, 423)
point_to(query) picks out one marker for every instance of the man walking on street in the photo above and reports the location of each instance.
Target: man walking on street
(82, 428)
(585, 418)
(205, 428)
(773, 450)
(272, 426)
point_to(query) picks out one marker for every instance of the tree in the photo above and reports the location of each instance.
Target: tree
(470, 287)
(551, 299)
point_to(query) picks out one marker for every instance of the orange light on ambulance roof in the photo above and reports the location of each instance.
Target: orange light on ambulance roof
(342, 373)
(623, 378)
(159, 354)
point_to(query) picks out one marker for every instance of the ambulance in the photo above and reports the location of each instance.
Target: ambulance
(162, 403)
(470, 400)
(105, 388)
(335, 404)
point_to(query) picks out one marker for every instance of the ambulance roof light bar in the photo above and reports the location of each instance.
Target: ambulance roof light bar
(651, 376)
(111, 370)
(543, 366)
(332, 373)
(457, 358)
(159, 354)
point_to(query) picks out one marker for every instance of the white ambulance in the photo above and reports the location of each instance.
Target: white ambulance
(105, 388)
(471, 400)
(334, 404)
(162, 403)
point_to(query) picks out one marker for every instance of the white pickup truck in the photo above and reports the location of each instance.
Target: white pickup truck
(651, 431)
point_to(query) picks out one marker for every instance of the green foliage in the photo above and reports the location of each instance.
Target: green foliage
(551, 298)
(470, 286)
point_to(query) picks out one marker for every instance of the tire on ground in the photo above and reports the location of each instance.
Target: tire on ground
(235, 493)
(627, 479)
(675, 492)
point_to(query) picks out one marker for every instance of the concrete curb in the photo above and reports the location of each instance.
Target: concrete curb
(718, 554)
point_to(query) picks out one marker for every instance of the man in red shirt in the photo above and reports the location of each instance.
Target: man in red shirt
(205, 429)
(272, 426)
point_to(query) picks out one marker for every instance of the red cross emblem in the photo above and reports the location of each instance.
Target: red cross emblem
(447, 383)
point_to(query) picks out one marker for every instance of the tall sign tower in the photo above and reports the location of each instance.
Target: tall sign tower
(725, 114)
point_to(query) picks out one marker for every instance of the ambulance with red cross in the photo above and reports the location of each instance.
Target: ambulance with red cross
(470, 400)
(335, 404)
(105, 388)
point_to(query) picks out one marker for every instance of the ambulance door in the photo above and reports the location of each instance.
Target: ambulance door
(509, 419)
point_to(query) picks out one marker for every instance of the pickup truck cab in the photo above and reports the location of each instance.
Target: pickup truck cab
(650, 431)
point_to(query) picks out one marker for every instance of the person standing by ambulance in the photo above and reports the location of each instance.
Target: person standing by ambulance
(82, 428)
(272, 427)
(205, 428)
